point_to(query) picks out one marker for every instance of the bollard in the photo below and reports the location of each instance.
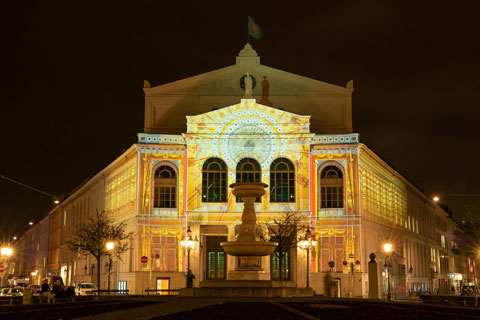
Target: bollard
(27, 296)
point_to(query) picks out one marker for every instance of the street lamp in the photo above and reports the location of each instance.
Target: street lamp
(387, 247)
(110, 245)
(307, 244)
(7, 252)
(189, 243)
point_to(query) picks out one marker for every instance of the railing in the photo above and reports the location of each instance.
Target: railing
(118, 291)
(177, 291)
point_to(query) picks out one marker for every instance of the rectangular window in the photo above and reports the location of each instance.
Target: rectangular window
(122, 286)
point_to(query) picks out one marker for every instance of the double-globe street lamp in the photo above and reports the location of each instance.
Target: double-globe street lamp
(387, 247)
(189, 243)
(307, 243)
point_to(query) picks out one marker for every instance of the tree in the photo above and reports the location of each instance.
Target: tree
(285, 231)
(92, 237)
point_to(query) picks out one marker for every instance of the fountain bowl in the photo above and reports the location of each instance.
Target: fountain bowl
(248, 248)
(248, 189)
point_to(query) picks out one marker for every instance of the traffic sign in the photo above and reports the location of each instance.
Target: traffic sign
(2, 268)
(144, 259)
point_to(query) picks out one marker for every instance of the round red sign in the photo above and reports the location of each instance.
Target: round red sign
(144, 259)
(2, 268)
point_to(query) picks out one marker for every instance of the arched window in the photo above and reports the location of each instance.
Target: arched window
(282, 181)
(165, 188)
(214, 181)
(331, 187)
(248, 170)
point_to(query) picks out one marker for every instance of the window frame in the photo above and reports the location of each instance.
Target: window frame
(273, 186)
(154, 185)
(320, 193)
(223, 170)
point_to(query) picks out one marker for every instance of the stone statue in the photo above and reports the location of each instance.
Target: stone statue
(248, 86)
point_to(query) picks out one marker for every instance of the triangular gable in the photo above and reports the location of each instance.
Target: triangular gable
(248, 113)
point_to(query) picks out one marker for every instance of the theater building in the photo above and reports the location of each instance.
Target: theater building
(250, 122)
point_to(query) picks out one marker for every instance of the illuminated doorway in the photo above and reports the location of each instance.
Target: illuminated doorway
(163, 285)
(216, 258)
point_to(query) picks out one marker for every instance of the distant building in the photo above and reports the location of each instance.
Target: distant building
(295, 134)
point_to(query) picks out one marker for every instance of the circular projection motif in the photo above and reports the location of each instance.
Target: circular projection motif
(242, 82)
(249, 134)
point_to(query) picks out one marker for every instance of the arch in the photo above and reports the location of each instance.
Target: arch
(214, 180)
(331, 186)
(165, 186)
(282, 181)
(248, 170)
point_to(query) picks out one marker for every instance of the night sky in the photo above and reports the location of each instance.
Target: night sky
(72, 76)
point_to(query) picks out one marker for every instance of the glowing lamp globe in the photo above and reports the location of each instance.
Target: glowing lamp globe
(387, 247)
(110, 245)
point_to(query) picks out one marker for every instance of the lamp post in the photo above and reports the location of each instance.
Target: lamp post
(5, 253)
(110, 245)
(387, 247)
(307, 244)
(189, 243)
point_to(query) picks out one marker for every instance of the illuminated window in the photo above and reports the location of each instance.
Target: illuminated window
(331, 187)
(282, 181)
(214, 181)
(165, 188)
(248, 170)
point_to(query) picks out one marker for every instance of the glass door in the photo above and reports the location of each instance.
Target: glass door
(216, 258)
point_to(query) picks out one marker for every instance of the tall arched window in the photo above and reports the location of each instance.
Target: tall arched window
(214, 181)
(248, 170)
(282, 181)
(331, 187)
(165, 195)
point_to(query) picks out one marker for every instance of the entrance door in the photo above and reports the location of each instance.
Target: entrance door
(163, 284)
(335, 288)
(216, 258)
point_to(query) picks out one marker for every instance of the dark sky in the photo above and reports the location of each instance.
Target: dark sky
(72, 74)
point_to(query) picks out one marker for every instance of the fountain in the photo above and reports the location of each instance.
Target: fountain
(248, 246)
(248, 279)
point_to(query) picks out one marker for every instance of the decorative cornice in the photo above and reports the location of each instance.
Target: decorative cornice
(335, 138)
(150, 138)
(147, 149)
(335, 150)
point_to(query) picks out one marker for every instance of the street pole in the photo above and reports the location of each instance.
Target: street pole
(308, 267)
(389, 295)
(188, 260)
(475, 282)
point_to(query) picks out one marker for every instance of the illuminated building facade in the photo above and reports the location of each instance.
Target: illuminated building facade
(294, 134)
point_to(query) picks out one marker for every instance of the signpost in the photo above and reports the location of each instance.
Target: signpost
(2, 268)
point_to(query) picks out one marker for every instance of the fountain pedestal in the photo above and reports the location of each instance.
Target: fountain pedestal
(248, 247)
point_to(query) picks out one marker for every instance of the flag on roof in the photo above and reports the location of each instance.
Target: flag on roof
(253, 29)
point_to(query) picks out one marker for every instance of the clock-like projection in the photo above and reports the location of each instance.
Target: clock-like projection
(249, 134)
(249, 141)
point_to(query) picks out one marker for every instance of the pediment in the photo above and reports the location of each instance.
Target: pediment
(248, 113)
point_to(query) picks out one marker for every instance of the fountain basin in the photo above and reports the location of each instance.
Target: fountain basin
(248, 189)
(248, 248)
